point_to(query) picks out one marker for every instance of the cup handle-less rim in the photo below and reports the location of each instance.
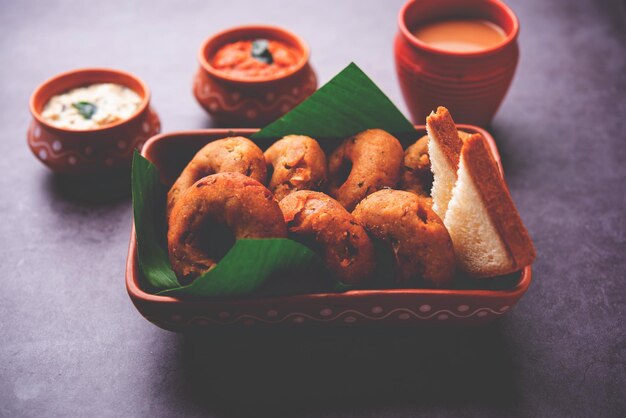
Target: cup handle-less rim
(496, 4)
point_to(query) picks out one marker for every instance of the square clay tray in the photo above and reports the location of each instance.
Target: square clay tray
(394, 307)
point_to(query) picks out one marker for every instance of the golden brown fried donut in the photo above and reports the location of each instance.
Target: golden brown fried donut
(421, 245)
(298, 163)
(211, 214)
(416, 174)
(319, 221)
(363, 164)
(235, 154)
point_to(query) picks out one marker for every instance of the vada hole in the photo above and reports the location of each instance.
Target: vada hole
(394, 244)
(310, 241)
(421, 214)
(270, 172)
(351, 250)
(214, 239)
(344, 171)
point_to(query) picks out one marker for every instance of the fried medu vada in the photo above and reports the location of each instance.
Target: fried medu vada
(419, 241)
(212, 214)
(363, 164)
(320, 222)
(298, 163)
(234, 154)
(416, 174)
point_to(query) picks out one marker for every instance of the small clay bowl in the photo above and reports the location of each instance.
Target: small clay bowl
(471, 85)
(252, 102)
(108, 148)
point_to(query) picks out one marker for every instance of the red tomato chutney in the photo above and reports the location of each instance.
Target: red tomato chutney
(253, 59)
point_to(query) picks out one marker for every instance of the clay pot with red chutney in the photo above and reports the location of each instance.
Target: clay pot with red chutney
(252, 75)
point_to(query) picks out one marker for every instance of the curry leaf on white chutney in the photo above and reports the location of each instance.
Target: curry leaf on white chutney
(86, 109)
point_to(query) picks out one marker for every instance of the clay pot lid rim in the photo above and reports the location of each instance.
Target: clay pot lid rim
(301, 45)
(145, 101)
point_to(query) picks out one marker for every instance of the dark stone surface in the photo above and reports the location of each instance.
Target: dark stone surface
(72, 344)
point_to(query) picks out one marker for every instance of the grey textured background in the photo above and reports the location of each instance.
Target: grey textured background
(72, 344)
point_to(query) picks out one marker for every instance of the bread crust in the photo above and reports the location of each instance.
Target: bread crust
(485, 174)
(442, 128)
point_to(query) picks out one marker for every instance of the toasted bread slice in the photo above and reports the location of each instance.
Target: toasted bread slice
(444, 149)
(487, 232)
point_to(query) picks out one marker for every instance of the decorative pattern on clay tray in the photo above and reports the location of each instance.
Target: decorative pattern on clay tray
(348, 316)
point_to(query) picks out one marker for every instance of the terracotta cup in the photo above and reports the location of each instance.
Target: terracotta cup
(96, 150)
(471, 85)
(237, 102)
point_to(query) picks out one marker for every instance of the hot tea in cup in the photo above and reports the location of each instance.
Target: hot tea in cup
(461, 54)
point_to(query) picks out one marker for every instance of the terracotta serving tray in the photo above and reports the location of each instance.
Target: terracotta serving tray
(396, 307)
